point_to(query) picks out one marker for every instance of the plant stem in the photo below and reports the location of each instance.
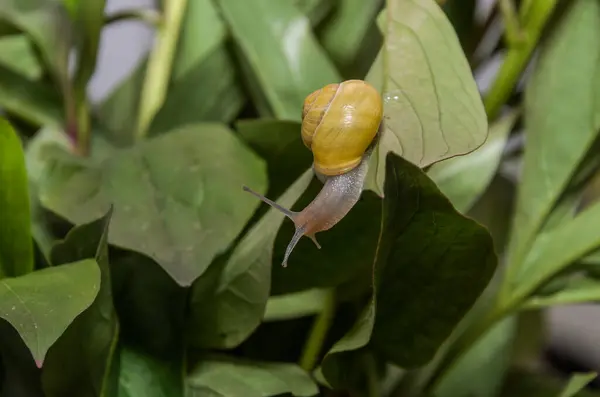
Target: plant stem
(373, 389)
(513, 31)
(160, 63)
(316, 338)
(518, 56)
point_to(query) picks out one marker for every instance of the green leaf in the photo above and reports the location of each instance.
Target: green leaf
(16, 248)
(577, 383)
(34, 102)
(81, 362)
(281, 51)
(201, 63)
(556, 249)
(464, 179)
(430, 259)
(343, 36)
(280, 144)
(160, 190)
(433, 110)
(17, 55)
(41, 305)
(48, 25)
(575, 291)
(145, 375)
(295, 305)
(229, 377)
(522, 383)
(315, 10)
(88, 22)
(228, 317)
(562, 104)
(485, 365)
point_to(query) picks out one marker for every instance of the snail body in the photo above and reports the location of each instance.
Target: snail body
(339, 125)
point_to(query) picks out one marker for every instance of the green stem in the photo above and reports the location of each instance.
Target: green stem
(160, 63)
(316, 338)
(518, 56)
(513, 31)
(373, 389)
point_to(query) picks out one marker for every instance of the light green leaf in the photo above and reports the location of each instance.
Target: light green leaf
(575, 291)
(562, 104)
(16, 249)
(556, 249)
(295, 305)
(433, 110)
(42, 304)
(577, 383)
(148, 376)
(229, 377)
(464, 179)
(281, 52)
(229, 317)
(315, 10)
(484, 365)
(177, 197)
(343, 36)
(17, 55)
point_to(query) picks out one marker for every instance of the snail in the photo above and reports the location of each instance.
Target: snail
(339, 125)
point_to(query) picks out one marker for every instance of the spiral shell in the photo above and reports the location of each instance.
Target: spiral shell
(339, 122)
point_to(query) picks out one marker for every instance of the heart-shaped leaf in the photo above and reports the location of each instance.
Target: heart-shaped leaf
(16, 249)
(42, 304)
(433, 110)
(177, 197)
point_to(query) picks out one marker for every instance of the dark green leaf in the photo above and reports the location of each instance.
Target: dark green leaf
(281, 51)
(144, 375)
(81, 362)
(238, 305)
(160, 189)
(433, 110)
(430, 259)
(562, 102)
(41, 305)
(16, 248)
(228, 377)
(17, 55)
(464, 179)
(484, 365)
(34, 102)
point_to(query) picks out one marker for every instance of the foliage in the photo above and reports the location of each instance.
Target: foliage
(132, 263)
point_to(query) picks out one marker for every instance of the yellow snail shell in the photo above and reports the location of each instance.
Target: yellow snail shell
(339, 124)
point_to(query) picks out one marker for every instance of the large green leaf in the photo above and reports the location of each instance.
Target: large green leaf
(577, 383)
(430, 259)
(16, 248)
(281, 51)
(238, 305)
(562, 104)
(177, 197)
(464, 179)
(42, 304)
(433, 110)
(17, 55)
(229, 377)
(81, 362)
(145, 375)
